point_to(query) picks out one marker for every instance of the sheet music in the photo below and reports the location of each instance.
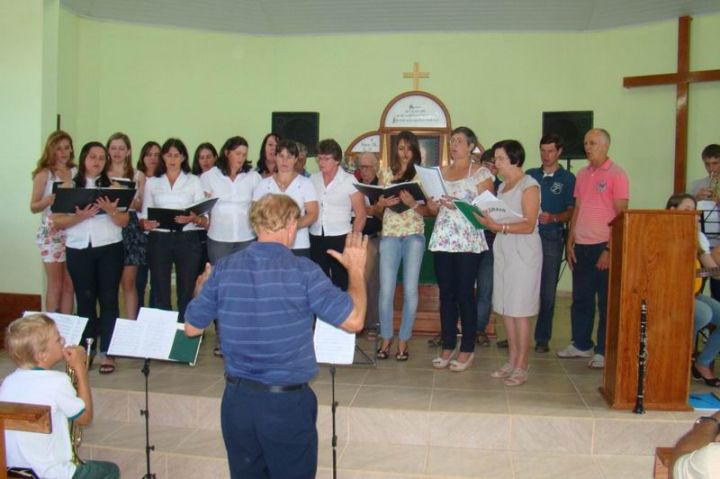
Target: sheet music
(497, 208)
(711, 217)
(150, 336)
(333, 345)
(431, 181)
(70, 327)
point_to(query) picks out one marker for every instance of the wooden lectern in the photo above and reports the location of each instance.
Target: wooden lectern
(652, 258)
(21, 417)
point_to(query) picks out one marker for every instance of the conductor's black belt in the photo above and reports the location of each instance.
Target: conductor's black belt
(258, 386)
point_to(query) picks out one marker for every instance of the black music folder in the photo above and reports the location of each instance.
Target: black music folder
(373, 192)
(166, 216)
(66, 199)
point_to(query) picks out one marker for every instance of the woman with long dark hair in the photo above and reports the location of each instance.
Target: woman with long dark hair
(95, 252)
(403, 240)
(173, 187)
(204, 158)
(266, 165)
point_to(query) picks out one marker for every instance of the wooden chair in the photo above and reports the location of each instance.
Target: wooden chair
(21, 417)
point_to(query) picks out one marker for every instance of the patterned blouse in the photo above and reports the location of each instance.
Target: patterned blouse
(453, 233)
(407, 223)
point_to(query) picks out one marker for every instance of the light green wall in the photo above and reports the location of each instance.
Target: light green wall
(28, 57)
(153, 82)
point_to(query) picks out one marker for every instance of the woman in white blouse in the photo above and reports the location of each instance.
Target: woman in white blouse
(338, 198)
(94, 251)
(173, 187)
(288, 181)
(232, 181)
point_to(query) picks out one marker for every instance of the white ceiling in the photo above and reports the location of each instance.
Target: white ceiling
(290, 17)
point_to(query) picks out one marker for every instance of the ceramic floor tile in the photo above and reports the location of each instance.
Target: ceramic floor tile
(343, 374)
(470, 431)
(444, 462)
(454, 400)
(393, 398)
(547, 383)
(209, 442)
(470, 380)
(547, 404)
(623, 467)
(416, 378)
(384, 458)
(389, 426)
(553, 466)
(344, 393)
(186, 466)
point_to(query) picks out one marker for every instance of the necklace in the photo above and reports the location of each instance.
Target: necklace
(283, 185)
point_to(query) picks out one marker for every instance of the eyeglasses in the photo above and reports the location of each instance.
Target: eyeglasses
(366, 167)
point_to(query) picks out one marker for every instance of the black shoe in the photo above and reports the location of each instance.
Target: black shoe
(542, 347)
(502, 344)
(713, 382)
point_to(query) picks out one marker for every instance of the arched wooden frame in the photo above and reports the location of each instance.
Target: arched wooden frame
(350, 154)
(443, 133)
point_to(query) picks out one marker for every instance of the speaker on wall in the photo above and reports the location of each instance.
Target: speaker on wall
(302, 126)
(571, 126)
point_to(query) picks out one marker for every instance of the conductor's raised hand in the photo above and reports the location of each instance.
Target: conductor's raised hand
(354, 256)
(202, 279)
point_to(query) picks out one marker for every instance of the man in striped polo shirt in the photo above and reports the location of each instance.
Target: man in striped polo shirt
(264, 298)
(602, 191)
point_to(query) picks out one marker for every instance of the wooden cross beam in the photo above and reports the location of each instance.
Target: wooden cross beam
(681, 79)
(416, 75)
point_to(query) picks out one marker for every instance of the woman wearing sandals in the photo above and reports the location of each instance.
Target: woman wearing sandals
(95, 253)
(517, 259)
(403, 239)
(456, 247)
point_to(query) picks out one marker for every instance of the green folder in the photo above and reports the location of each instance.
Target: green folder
(467, 210)
(184, 348)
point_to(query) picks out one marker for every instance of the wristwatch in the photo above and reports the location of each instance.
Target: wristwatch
(702, 419)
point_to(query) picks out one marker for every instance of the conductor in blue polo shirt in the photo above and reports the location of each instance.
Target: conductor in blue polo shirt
(556, 204)
(264, 298)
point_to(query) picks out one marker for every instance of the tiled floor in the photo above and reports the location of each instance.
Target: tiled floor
(398, 420)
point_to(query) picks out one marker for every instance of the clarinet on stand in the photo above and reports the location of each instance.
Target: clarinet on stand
(642, 358)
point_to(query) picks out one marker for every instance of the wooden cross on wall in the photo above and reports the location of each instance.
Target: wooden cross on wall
(416, 75)
(682, 79)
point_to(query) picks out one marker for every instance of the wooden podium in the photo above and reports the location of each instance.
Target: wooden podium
(652, 258)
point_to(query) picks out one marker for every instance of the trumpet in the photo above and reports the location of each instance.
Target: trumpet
(714, 186)
(74, 427)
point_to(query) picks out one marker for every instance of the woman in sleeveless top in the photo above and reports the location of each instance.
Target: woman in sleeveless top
(54, 166)
(517, 259)
(457, 246)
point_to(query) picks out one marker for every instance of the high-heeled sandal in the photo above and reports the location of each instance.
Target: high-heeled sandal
(504, 372)
(697, 375)
(458, 366)
(440, 363)
(384, 353)
(519, 376)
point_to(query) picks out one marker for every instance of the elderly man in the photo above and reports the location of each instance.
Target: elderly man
(264, 298)
(602, 191)
(301, 160)
(697, 453)
(367, 164)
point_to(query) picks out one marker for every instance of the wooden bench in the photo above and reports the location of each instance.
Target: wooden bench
(21, 417)
(662, 461)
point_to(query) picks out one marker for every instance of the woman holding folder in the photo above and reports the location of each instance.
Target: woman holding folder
(457, 245)
(173, 187)
(403, 239)
(54, 166)
(517, 259)
(94, 251)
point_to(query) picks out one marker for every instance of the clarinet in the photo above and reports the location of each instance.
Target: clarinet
(642, 358)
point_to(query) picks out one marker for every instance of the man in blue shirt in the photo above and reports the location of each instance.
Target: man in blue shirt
(556, 204)
(264, 298)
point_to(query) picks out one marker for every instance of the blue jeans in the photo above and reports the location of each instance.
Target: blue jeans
(707, 311)
(484, 288)
(552, 248)
(589, 283)
(393, 249)
(456, 275)
(269, 435)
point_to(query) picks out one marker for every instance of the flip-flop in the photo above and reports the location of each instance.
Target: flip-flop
(106, 369)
